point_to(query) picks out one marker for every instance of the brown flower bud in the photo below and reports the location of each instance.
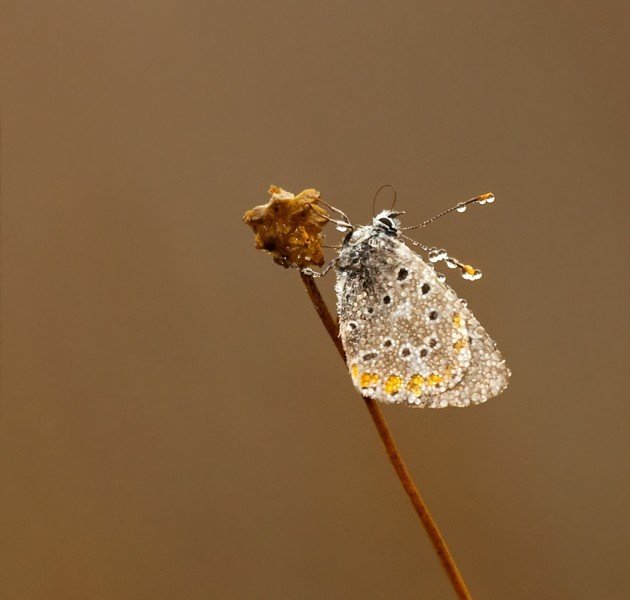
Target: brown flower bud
(289, 227)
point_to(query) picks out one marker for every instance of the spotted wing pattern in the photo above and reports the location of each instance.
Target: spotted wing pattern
(408, 338)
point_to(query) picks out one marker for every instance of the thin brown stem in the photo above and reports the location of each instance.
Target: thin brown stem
(392, 451)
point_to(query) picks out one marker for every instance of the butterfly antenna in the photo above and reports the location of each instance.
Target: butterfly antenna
(435, 255)
(461, 207)
(414, 242)
(387, 185)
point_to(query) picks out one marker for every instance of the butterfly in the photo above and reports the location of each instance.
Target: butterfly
(408, 338)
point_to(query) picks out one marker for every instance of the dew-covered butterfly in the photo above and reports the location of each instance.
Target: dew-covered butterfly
(407, 336)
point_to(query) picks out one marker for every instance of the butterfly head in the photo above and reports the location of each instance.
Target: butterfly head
(386, 222)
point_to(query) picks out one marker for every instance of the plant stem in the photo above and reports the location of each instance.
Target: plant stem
(392, 451)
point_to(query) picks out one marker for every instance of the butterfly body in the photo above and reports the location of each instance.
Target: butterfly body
(408, 338)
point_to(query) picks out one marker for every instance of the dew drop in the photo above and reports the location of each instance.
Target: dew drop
(461, 208)
(434, 255)
(441, 276)
(489, 198)
(451, 264)
(476, 274)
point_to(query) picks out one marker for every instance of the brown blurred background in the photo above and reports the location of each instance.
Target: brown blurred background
(175, 421)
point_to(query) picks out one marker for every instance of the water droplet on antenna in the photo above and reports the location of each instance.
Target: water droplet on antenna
(434, 255)
(489, 198)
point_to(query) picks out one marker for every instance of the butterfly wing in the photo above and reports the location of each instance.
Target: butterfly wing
(408, 338)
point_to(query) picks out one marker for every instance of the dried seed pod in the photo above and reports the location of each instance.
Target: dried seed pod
(289, 227)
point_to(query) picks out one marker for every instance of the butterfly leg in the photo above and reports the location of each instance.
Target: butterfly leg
(312, 273)
(339, 212)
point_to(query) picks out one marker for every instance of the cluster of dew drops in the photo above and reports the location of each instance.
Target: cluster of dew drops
(467, 272)
(439, 254)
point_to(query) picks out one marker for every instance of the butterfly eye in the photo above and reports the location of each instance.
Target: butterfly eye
(387, 222)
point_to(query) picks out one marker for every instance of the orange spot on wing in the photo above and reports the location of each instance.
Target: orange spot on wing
(415, 385)
(368, 380)
(392, 385)
(434, 379)
(459, 344)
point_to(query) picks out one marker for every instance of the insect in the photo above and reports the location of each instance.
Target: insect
(408, 338)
